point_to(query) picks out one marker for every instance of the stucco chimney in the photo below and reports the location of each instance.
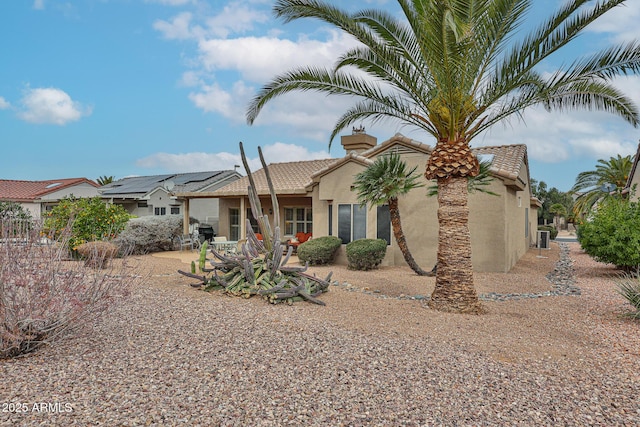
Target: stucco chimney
(358, 141)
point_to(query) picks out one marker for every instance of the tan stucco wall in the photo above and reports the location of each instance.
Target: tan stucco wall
(496, 223)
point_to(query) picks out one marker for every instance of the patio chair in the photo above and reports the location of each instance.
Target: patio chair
(189, 241)
(299, 239)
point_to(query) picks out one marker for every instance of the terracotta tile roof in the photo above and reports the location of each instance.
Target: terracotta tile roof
(14, 190)
(288, 178)
(507, 159)
(297, 177)
(398, 139)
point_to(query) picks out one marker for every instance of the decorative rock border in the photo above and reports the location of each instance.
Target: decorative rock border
(562, 279)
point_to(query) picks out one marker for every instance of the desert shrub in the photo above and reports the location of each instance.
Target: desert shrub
(85, 220)
(44, 298)
(629, 287)
(318, 251)
(612, 234)
(97, 254)
(366, 254)
(553, 232)
(150, 234)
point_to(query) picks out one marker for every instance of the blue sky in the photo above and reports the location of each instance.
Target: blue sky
(141, 87)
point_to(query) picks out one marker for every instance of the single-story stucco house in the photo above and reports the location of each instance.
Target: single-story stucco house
(39, 197)
(160, 194)
(317, 196)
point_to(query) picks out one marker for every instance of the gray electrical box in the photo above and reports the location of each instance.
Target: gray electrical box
(544, 239)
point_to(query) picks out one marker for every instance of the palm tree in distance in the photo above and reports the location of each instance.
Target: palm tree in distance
(558, 210)
(382, 183)
(104, 180)
(454, 69)
(607, 180)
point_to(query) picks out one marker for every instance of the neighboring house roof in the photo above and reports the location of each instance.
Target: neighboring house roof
(287, 178)
(139, 186)
(25, 191)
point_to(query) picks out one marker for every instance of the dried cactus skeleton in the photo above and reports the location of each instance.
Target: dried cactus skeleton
(261, 266)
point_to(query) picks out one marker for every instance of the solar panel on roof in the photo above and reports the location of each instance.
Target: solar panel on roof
(138, 184)
(193, 177)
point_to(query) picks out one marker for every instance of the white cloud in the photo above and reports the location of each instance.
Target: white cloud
(4, 104)
(259, 59)
(235, 18)
(571, 136)
(38, 4)
(179, 28)
(171, 2)
(193, 162)
(281, 152)
(212, 98)
(621, 23)
(50, 106)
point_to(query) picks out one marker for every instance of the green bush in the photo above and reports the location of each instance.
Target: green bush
(612, 234)
(318, 251)
(366, 254)
(85, 220)
(553, 231)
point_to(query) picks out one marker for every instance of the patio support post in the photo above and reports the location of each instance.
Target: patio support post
(185, 217)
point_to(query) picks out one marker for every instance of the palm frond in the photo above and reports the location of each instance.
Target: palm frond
(476, 183)
(386, 178)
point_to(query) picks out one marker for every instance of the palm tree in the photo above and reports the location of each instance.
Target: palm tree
(104, 180)
(453, 69)
(382, 183)
(607, 180)
(558, 210)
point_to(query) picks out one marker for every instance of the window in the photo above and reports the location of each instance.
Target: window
(253, 221)
(160, 211)
(143, 204)
(175, 210)
(234, 224)
(330, 220)
(359, 222)
(383, 223)
(352, 222)
(298, 220)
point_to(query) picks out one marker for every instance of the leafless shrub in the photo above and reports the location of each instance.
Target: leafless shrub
(44, 297)
(97, 254)
(149, 234)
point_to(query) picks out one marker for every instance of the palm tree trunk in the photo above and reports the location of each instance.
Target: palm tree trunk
(454, 290)
(394, 213)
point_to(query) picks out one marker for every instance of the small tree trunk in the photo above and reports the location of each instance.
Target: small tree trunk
(394, 212)
(454, 290)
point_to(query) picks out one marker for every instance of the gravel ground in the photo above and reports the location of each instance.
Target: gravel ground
(373, 356)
